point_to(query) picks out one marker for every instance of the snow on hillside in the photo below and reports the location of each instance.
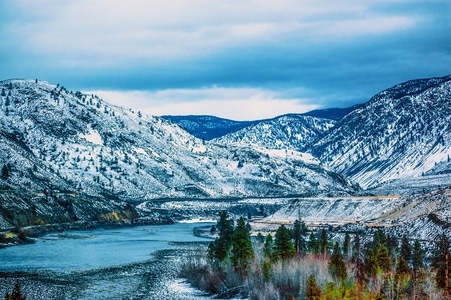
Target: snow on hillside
(342, 210)
(403, 132)
(288, 132)
(420, 216)
(58, 142)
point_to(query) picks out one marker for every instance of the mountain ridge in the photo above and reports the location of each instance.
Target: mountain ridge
(400, 132)
(211, 127)
(72, 156)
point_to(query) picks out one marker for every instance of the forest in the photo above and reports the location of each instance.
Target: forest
(298, 263)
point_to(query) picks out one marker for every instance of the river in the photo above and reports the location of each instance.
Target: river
(122, 263)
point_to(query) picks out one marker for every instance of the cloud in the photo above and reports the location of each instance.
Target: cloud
(231, 103)
(335, 52)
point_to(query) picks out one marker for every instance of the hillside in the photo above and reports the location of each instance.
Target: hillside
(421, 216)
(72, 156)
(402, 133)
(335, 114)
(287, 132)
(208, 127)
(211, 127)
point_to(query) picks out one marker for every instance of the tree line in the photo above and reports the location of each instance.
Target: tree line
(297, 263)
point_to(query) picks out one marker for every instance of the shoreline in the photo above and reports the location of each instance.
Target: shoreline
(26, 235)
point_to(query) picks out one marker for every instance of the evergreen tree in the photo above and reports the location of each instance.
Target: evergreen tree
(441, 263)
(268, 246)
(242, 252)
(220, 248)
(299, 229)
(266, 270)
(313, 244)
(313, 291)
(382, 258)
(417, 257)
(357, 260)
(402, 268)
(406, 250)
(283, 246)
(323, 242)
(5, 172)
(377, 256)
(337, 267)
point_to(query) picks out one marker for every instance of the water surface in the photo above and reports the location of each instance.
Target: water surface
(92, 249)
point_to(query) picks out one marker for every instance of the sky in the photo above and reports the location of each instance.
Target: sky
(241, 60)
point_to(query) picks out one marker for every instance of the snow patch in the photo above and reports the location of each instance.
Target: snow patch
(93, 137)
(197, 220)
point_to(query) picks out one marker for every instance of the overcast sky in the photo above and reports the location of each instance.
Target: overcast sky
(236, 59)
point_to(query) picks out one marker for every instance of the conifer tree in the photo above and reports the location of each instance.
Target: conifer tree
(5, 172)
(323, 242)
(337, 267)
(268, 246)
(299, 230)
(377, 256)
(220, 248)
(357, 260)
(406, 250)
(417, 257)
(441, 264)
(313, 291)
(283, 246)
(242, 252)
(313, 244)
(266, 270)
(402, 268)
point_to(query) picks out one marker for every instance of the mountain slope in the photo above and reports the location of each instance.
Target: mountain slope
(208, 127)
(402, 132)
(335, 114)
(293, 132)
(73, 156)
(211, 127)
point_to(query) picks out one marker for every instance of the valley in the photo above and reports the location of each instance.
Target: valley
(73, 162)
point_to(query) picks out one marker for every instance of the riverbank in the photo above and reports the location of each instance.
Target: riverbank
(104, 263)
(156, 278)
(25, 235)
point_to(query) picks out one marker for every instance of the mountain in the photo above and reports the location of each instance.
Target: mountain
(211, 127)
(287, 132)
(402, 133)
(208, 127)
(69, 156)
(335, 114)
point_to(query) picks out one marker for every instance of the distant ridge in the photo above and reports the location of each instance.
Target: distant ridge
(211, 127)
(335, 114)
(208, 127)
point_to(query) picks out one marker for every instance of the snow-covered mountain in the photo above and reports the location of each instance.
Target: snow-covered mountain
(403, 132)
(74, 156)
(335, 114)
(208, 127)
(287, 132)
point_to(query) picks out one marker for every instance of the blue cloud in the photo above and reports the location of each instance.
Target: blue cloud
(336, 54)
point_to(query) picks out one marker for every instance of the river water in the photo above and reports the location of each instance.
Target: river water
(93, 264)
